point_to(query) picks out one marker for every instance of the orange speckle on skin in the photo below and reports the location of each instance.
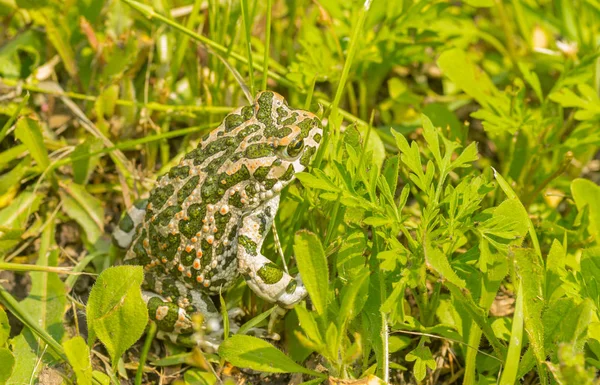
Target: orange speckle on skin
(199, 253)
(199, 279)
(180, 267)
(206, 284)
(188, 248)
(164, 260)
(194, 239)
(197, 264)
(188, 274)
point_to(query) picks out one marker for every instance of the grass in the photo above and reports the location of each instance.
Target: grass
(448, 231)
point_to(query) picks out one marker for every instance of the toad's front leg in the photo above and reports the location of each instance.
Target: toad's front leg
(264, 277)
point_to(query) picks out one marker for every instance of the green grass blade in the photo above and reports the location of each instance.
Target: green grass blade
(513, 356)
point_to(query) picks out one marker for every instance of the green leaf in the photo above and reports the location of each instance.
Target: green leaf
(26, 362)
(254, 353)
(309, 325)
(511, 365)
(439, 261)
(531, 274)
(590, 271)
(14, 176)
(116, 312)
(312, 264)
(17, 214)
(555, 270)
(322, 182)
(8, 362)
(79, 357)
(423, 358)
(4, 328)
(353, 297)
(28, 131)
(586, 193)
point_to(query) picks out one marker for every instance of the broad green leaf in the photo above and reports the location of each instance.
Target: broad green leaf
(47, 301)
(4, 328)
(423, 359)
(26, 46)
(511, 365)
(531, 273)
(78, 354)
(116, 312)
(254, 353)
(28, 131)
(198, 377)
(456, 65)
(7, 361)
(26, 362)
(18, 212)
(313, 267)
(587, 193)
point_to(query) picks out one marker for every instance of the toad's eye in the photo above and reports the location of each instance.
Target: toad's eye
(294, 148)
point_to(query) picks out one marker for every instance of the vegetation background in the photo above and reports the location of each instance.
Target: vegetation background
(447, 233)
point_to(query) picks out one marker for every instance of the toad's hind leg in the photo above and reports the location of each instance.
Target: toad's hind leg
(264, 277)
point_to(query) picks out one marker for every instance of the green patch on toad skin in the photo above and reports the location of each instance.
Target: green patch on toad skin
(126, 223)
(141, 254)
(187, 258)
(259, 150)
(141, 204)
(189, 228)
(291, 287)
(179, 172)
(169, 289)
(207, 250)
(307, 156)
(231, 180)
(160, 196)
(270, 273)
(221, 222)
(196, 211)
(260, 174)
(247, 131)
(200, 154)
(265, 105)
(305, 127)
(248, 244)
(165, 320)
(187, 189)
(232, 121)
(236, 200)
(167, 214)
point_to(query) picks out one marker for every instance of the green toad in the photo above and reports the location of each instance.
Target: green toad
(205, 221)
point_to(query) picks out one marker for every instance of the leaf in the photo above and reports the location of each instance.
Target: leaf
(439, 261)
(312, 264)
(309, 180)
(4, 328)
(353, 297)
(254, 353)
(531, 274)
(16, 215)
(116, 312)
(555, 270)
(511, 365)
(423, 359)
(14, 176)
(26, 362)
(28, 131)
(471, 79)
(58, 34)
(79, 357)
(47, 300)
(590, 271)
(8, 362)
(84, 208)
(586, 193)
(309, 325)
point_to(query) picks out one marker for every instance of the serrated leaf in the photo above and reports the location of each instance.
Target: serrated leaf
(313, 267)
(78, 354)
(254, 353)
(116, 312)
(29, 133)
